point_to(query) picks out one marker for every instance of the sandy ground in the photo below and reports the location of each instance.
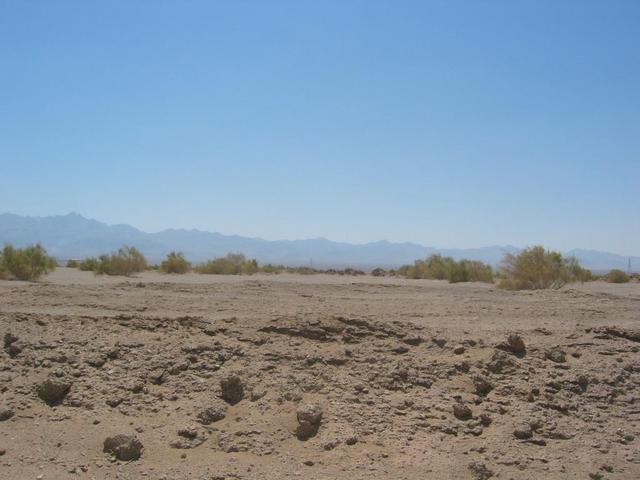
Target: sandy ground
(414, 378)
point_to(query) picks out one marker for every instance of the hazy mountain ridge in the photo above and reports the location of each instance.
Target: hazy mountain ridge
(74, 236)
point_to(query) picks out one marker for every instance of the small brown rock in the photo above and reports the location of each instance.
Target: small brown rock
(462, 411)
(5, 414)
(309, 416)
(482, 385)
(123, 447)
(480, 471)
(232, 389)
(53, 390)
(523, 432)
(556, 354)
(211, 414)
(516, 344)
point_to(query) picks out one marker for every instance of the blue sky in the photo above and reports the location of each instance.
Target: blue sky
(449, 123)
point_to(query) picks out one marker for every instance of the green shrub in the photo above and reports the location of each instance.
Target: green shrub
(175, 263)
(437, 267)
(270, 268)
(230, 264)
(536, 268)
(89, 264)
(617, 276)
(469, 271)
(28, 263)
(73, 263)
(125, 261)
(434, 267)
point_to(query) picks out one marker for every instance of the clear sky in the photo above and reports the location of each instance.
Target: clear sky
(449, 123)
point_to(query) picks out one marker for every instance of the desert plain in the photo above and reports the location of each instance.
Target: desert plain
(316, 377)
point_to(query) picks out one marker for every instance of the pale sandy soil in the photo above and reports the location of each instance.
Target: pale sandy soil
(377, 354)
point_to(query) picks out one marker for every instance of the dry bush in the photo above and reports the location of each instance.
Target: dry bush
(230, 264)
(175, 263)
(303, 270)
(89, 264)
(378, 272)
(28, 263)
(125, 261)
(536, 268)
(270, 268)
(437, 267)
(71, 263)
(470, 271)
(434, 267)
(617, 276)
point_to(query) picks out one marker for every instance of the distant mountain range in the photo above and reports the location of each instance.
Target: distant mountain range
(74, 236)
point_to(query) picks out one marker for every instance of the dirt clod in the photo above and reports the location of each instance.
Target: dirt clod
(462, 411)
(232, 389)
(53, 390)
(309, 416)
(211, 414)
(123, 447)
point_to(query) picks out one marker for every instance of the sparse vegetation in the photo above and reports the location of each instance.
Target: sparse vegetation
(125, 261)
(271, 268)
(237, 264)
(28, 263)
(437, 267)
(230, 264)
(89, 264)
(175, 263)
(536, 268)
(3, 269)
(346, 271)
(73, 263)
(470, 271)
(378, 272)
(617, 276)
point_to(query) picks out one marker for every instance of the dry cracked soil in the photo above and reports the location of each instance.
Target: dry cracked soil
(316, 377)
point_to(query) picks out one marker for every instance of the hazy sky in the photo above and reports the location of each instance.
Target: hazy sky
(447, 123)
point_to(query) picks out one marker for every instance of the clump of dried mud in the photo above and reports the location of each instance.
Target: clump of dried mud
(195, 377)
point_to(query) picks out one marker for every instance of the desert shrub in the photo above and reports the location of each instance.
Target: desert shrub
(73, 263)
(352, 271)
(175, 263)
(270, 268)
(469, 271)
(125, 261)
(617, 276)
(437, 267)
(28, 263)
(230, 264)
(378, 272)
(536, 268)
(89, 264)
(302, 270)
